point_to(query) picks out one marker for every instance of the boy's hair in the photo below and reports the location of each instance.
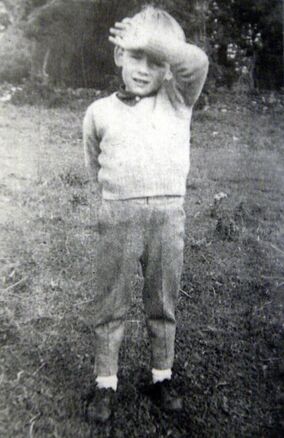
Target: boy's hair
(160, 20)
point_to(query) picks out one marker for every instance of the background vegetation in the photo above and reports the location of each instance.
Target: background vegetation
(67, 39)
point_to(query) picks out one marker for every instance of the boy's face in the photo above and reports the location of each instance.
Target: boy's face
(142, 74)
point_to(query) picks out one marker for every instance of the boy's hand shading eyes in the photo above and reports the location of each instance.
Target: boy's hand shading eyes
(129, 36)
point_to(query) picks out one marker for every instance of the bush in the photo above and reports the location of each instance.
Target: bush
(46, 95)
(36, 93)
(15, 56)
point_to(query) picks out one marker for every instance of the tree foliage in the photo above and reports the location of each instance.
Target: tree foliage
(243, 38)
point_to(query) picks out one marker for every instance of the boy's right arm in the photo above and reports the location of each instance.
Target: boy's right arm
(189, 64)
(91, 150)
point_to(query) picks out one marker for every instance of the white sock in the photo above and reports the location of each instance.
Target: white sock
(107, 382)
(160, 375)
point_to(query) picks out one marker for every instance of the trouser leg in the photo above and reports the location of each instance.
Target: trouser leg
(162, 266)
(116, 263)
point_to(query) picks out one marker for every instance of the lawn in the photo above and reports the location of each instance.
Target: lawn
(229, 349)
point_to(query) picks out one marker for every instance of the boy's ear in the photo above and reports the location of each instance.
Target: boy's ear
(118, 54)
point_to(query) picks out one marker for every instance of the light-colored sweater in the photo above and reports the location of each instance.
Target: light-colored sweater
(144, 149)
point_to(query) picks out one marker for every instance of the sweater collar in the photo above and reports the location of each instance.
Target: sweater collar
(129, 98)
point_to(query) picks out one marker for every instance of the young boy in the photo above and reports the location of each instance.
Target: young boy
(137, 152)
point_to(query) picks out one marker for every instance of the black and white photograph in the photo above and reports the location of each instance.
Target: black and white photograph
(141, 219)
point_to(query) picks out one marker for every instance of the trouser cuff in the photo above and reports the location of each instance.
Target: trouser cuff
(107, 382)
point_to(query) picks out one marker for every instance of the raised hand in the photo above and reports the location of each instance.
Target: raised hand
(129, 35)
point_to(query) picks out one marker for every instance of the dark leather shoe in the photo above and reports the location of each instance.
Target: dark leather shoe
(100, 406)
(164, 396)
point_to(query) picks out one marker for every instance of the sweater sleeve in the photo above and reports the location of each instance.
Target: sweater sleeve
(91, 148)
(188, 63)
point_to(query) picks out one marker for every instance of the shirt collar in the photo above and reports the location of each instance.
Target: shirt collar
(130, 98)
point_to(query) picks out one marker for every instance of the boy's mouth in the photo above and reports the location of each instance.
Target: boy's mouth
(141, 82)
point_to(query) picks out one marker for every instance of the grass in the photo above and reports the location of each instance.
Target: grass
(229, 349)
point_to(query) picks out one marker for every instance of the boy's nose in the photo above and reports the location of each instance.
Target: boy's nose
(143, 66)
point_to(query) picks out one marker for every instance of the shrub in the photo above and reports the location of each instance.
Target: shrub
(36, 93)
(15, 56)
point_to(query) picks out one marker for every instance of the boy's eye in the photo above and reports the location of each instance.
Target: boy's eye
(136, 55)
(157, 64)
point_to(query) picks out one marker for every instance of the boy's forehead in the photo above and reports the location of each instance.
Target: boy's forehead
(142, 53)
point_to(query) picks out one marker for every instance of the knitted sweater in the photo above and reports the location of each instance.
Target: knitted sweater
(141, 150)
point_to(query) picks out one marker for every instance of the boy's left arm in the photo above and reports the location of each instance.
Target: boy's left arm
(189, 66)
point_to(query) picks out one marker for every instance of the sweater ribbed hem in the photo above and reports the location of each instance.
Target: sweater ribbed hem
(128, 188)
(127, 194)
